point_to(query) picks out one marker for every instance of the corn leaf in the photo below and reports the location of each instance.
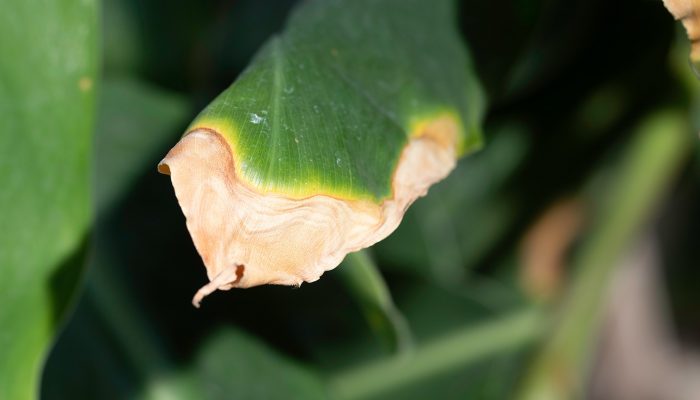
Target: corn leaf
(47, 79)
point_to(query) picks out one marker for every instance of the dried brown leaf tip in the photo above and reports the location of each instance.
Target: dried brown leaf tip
(688, 13)
(247, 238)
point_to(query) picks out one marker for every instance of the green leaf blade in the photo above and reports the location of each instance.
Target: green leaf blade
(46, 115)
(328, 106)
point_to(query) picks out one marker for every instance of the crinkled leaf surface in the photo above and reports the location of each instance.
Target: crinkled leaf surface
(328, 106)
(47, 79)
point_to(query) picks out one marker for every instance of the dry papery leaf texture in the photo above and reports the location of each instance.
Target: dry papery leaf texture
(247, 238)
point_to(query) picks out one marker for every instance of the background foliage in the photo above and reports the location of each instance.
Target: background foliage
(590, 103)
(47, 95)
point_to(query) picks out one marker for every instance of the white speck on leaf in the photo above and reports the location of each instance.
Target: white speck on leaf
(256, 119)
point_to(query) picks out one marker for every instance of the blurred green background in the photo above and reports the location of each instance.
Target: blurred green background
(509, 280)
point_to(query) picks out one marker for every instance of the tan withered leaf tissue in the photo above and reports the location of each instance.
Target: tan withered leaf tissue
(688, 13)
(318, 150)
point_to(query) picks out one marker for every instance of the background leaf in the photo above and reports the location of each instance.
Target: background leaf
(47, 84)
(650, 163)
(365, 284)
(459, 348)
(234, 364)
(136, 121)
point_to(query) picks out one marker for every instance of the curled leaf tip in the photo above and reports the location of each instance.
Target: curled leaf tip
(247, 238)
(223, 281)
